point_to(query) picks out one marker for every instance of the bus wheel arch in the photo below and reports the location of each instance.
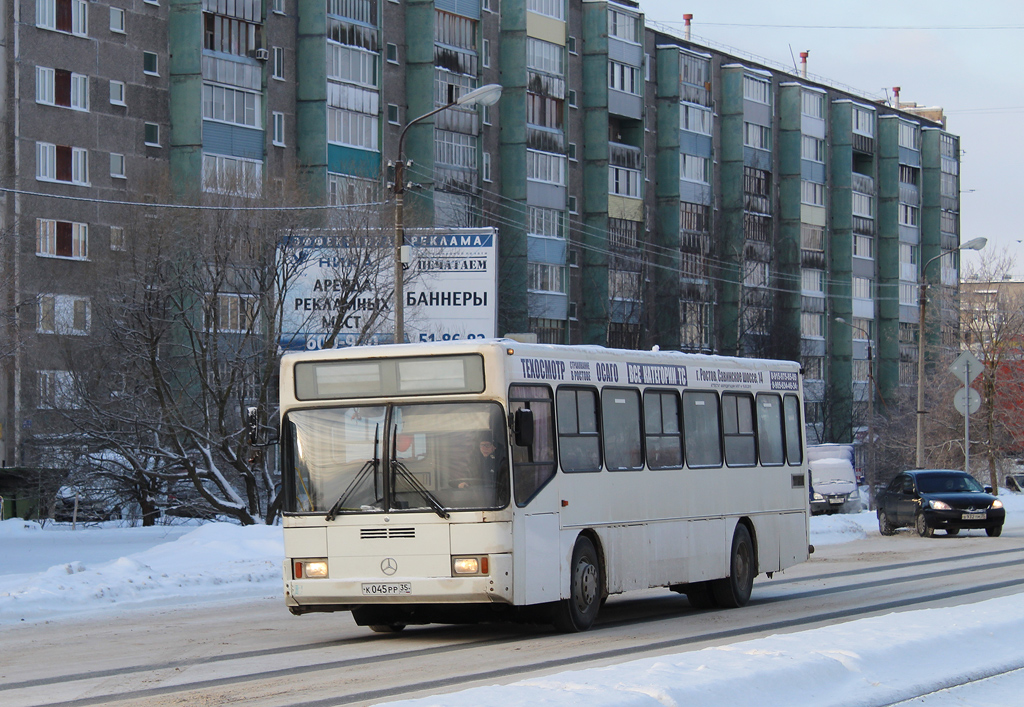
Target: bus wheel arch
(734, 590)
(587, 591)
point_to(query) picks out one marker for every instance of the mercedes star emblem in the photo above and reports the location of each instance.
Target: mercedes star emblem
(389, 566)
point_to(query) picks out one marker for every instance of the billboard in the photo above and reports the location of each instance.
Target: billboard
(342, 284)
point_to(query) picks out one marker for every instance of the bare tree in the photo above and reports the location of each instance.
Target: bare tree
(992, 325)
(190, 339)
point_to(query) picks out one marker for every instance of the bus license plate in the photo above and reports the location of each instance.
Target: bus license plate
(378, 589)
(973, 516)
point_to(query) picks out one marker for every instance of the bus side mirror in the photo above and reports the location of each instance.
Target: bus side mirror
(523, 427)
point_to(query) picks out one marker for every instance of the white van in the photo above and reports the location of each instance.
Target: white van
(833, 478)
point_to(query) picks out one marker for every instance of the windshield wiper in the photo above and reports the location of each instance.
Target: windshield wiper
(414, 482)
(371, 465)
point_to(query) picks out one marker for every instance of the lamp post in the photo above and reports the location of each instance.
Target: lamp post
(973, 244)
(871, 389)
(484, 96)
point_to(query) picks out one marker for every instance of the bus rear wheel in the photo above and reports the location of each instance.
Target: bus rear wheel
(578, 612)
(734, 591)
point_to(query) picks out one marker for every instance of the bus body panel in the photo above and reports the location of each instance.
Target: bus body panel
(539, 560)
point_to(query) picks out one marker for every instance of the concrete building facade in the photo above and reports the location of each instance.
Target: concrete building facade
(647, 190)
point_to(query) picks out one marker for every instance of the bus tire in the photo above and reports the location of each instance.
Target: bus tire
(578, 612)
(734, 591)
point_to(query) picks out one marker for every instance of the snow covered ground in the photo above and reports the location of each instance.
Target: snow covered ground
(53, 572)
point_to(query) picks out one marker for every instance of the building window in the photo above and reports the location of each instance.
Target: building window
(813, 148)
(57, 391)
(572, 152)
(571, 45)
(62, 239)
(572, 98)
(908, 215)
(545, 167)
(392, 53)
(61, 163)
(811, 325)
(623, 181)
(117, 239)
(623, 234)
(623, 285)
(235, 314)
(117, 20)
(544, 111)
(863, 121)
(393, 114)
(58, 87)
(231, 35)
(573, 209)
(546, 277)
(544, 222)
(812, 193)
(346, 127)
(623, 77)
(63, 314)
(813, 282)
(278, 7)
(278, 72)
(150, 64)
(117, 165)
(861, 288)
(812, 104)
(862, 246)
(757, 89)
(485, 114)
(486, 53)
(551, 8)
(757, 136)
(486, 167)
(693, 217)
(694, 118)
(70, 16)
(117, 93)
(623, 26)
(351, 65)
(152, 135)
(232, 175)
(279, 129)
(544, 56)
(909, 136)
(232, 105)
(694, 169)
(455, 149)
(812, 237)
(863, 205)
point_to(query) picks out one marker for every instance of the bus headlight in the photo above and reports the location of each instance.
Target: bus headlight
(469, 565)
(310, 569)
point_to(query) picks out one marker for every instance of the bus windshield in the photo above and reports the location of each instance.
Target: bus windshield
(372, 459)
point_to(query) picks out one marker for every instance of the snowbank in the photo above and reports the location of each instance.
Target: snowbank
(872, 661)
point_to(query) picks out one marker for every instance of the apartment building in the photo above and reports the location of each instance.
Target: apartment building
(646, 190)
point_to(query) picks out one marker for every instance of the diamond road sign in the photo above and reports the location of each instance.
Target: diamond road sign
(966, 367)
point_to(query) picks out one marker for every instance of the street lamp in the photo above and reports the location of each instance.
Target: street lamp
(484, 96)
(973, 244)
(871, 390)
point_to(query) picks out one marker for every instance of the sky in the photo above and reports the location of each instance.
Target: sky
(55, 573)
(964, 57)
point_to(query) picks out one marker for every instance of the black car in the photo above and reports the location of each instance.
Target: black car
(945, 499)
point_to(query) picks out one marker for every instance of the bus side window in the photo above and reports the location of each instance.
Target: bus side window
(702, 429)
(769, 429)
(533, 466)
(794, 435)
(738, 426)
(579, 439)
(661, 429)
(620, 410)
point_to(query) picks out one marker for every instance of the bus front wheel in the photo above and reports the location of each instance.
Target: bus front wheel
(577, 613)
(734, 591)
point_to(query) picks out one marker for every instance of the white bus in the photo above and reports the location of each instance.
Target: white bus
(494, 480)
